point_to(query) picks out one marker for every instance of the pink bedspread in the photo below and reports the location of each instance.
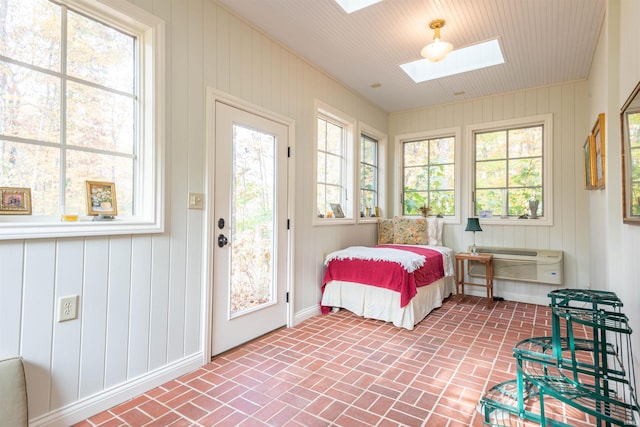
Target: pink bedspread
(389, 275)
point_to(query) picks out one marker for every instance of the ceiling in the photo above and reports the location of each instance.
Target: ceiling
(543, 42)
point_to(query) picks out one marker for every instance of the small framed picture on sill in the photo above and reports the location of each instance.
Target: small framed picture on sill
(337, 210)
(101, 198)
(15, 201)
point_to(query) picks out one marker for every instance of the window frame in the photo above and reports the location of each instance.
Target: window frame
(381, 138)
(350, 199)
(454, 132)
(151, 75)
(546, 120)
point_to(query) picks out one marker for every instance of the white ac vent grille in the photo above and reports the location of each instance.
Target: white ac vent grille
(519, 264)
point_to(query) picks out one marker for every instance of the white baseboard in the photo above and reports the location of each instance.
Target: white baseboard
(307, 313)
(100, 402)
(529, 293)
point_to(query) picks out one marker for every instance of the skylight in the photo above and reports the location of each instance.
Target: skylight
(353, 5)
(468, 58)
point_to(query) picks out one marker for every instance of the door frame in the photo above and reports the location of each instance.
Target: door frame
(212, 96)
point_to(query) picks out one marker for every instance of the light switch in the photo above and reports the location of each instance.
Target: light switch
(196, 200)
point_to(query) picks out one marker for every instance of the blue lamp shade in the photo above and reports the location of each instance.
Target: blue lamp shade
(473, 224)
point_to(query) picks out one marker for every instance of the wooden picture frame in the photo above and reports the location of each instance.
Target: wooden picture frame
(589, 163)
(597, 134)
(101, 198)
(630, 139)
(15, 201)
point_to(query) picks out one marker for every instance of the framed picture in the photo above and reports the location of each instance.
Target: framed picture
(15, 201)
(598, 146)
(337, 210)
(589, 163)
(101, 198)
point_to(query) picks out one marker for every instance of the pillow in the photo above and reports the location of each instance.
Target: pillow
(410, 231)
(385, 231)
(435, 227)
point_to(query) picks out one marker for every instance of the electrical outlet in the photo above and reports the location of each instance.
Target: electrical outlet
(68, 308)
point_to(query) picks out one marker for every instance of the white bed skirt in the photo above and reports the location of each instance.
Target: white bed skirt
(384, 304)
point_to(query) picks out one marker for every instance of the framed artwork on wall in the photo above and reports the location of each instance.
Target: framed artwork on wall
(597, 134)
(589, 163)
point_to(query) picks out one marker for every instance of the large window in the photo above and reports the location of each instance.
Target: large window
(79, 101)
(429, 173)
(369, 159)
(511, 169)
(334, 164)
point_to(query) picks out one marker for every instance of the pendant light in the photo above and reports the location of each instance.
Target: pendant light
(437, 50)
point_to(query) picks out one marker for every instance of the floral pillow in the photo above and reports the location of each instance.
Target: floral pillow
(385, 231)
(410, 231)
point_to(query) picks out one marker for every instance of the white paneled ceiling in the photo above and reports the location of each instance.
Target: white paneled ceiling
(543, 42)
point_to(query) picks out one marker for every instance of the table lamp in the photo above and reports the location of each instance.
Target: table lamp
(473, 224)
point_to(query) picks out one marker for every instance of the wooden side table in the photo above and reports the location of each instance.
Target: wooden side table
(487, 260)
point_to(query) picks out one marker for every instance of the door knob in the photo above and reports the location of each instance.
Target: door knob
(222, 240)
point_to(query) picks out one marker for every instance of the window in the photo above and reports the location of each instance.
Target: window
(81, 93)
(429, 173)
(334, 164)
(368, 175)
(511, 169)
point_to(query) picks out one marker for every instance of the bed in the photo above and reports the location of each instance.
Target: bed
(401, 280)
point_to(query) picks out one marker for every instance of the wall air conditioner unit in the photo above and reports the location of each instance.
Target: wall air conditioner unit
(528, 265)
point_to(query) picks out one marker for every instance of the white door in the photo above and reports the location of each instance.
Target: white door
(250, 208)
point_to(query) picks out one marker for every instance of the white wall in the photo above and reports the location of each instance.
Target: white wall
(141, 296)
(568, 103)
(614, 252)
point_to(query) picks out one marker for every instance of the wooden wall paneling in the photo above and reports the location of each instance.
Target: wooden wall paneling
(245, 58)
(65, 354)
(237, 53)
(179, 182)
(37, 318)
(582, 219)
(256, 67)
(281, 75)
(486, 105)
(497, 106)
(567, 175)
(94, 316)
(519, 104)
(143, 4)
(11, 285)
(531, 237)
(273, 84)
(159, 317)
(266, 77)
(508, 108)
(531, 100)
(222, 51)
(195, 174)
(139, 308)
(118, 308)
(210, 59)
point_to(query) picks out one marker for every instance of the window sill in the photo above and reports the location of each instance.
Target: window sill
(14, 228)
(333, 221)
(540, 221)
(369, 220)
